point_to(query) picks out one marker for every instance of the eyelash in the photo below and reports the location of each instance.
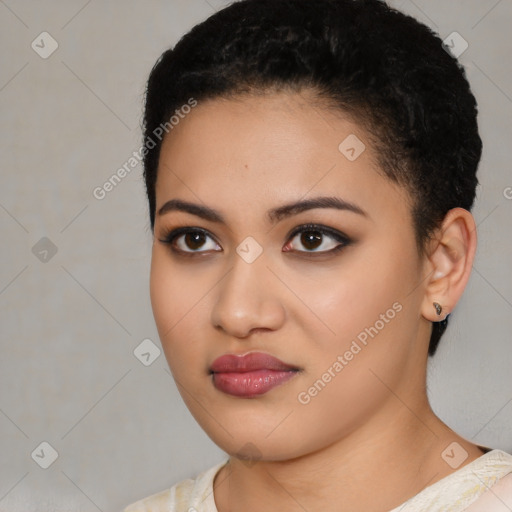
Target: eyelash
(170, 237)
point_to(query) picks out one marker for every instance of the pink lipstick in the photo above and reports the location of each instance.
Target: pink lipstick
(250, 375)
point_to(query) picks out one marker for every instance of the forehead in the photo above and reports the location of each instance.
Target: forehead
(260, 150)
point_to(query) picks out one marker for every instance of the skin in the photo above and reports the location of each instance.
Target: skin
(371, 426)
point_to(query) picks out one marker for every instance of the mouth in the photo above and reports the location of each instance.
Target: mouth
(250, 375)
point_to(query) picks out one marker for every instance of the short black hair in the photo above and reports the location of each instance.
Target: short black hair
(362, 57)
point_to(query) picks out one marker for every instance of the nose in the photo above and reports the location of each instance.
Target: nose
(248, 299)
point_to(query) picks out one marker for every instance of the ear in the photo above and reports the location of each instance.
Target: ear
(449, 263)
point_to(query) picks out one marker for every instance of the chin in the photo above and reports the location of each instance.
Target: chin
(254, 444)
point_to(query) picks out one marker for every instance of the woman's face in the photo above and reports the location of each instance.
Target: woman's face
(340, 301)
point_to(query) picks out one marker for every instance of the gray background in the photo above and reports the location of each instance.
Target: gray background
(70, 324)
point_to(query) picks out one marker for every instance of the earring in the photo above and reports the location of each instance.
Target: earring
(439, 308)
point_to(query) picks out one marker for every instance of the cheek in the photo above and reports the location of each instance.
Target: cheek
(346, 300)
(169, 301)
(162, 290)
(180, 306)
(364, 310)
(173, 291)
(349, 373)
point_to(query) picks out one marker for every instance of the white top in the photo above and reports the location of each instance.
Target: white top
(483, 485)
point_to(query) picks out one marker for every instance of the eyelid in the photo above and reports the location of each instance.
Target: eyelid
(325, 230)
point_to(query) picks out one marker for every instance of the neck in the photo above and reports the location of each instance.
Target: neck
(378, 467)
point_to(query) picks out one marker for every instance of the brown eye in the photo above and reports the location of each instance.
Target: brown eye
(316, 240)
(311, 239)
(194, 240)
(188, 240)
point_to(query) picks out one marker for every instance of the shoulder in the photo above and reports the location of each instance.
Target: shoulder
(154, 503)
(486, 483)
(497, 498)
(483, 485)
(190, 494)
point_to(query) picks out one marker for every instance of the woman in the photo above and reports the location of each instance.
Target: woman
(310, 170)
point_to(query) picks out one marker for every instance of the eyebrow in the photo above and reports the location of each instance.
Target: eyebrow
(274, 215)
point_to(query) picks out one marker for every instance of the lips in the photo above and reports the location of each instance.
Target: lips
(249, 362)
(250, 375)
